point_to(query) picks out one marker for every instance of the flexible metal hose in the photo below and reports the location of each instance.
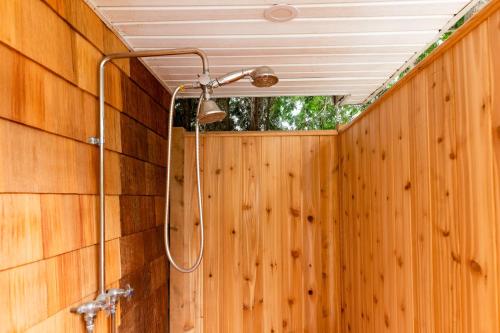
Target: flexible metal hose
(167, 193)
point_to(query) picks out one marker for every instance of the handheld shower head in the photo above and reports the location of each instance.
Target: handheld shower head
(262, 76)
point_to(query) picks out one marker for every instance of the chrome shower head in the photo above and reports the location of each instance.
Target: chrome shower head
(209, 112)
(262, 76)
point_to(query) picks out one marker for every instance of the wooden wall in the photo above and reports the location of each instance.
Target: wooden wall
(420, 177)
(49, 52)
(271, 234)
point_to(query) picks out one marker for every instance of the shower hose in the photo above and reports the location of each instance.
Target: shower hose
(198, 182)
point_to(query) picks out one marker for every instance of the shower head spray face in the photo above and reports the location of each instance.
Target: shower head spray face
(210, 112)
(263, 77)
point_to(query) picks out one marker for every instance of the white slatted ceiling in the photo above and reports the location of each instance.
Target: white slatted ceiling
(333, 47)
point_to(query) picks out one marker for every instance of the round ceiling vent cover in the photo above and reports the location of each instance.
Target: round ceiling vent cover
(280, 13)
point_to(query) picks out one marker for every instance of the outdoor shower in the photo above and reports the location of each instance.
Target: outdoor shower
(207, 112)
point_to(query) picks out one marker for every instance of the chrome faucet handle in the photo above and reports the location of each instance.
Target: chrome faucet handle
(115, 293)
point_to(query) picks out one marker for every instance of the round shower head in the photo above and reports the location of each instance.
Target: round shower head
(263, 77)
(210, 112)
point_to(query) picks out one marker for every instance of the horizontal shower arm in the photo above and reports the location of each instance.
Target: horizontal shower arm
(159, 53)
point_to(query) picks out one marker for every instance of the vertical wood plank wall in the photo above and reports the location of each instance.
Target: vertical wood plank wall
(420, 199)
(272, 245)
(49, 54)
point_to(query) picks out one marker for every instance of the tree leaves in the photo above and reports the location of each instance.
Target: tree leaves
(272, 113)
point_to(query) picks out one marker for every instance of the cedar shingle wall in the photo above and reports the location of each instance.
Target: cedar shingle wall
(49, 53)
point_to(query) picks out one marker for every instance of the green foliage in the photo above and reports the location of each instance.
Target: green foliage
(272, 113)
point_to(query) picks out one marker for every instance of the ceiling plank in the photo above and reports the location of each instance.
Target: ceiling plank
(245, 12)
(156, 3)
(226, 41)
(279, 60)
(297, 26)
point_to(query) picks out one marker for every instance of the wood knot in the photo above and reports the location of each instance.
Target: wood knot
(310, 292)
(445, 233)
(295, 254)
(295, 212)
(400, 261)
(375, 299)
(179, 179)
(310, 218)
(455, 257)
(291, 301)
(383, 156)
(447, 98)
(408, 186)
(475, 267)
(291, 175)
(217, 171)
(452, 156)
(233, 232)
(386, 320)
(247, 206)
(439, 140)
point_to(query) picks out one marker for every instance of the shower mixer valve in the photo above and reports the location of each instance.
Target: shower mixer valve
(89, 311)
(106, 302)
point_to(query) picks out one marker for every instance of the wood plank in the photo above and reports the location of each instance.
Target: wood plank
(443, 191)
(366, 228)
(293, 251)
(402, 209)
(227, 41)
(388, 276)
(196, 13)
(420, 203)
(299, 26)
(212, 262)
(271, 233)
(330, 234)
(494, 64)
(311, 232)
(177, 281)
(192, 234)
(231, 235)
(251, 236)
(168, 3)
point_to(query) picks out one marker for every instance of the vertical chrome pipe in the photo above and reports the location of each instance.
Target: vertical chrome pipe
(113, 322)
(102, 205)
(101, 140)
